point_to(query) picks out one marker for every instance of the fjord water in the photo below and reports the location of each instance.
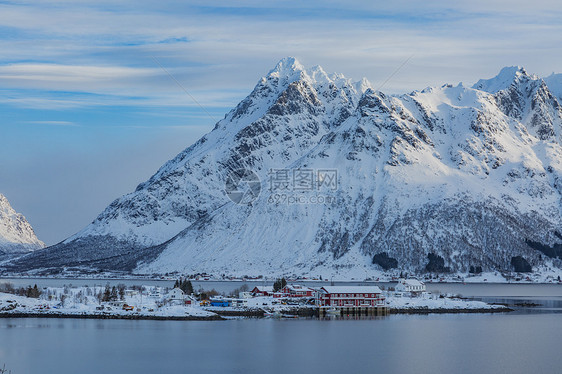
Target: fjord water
(523, 341)
(515, 343)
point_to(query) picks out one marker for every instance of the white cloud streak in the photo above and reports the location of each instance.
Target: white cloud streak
(52, 123)
(105, 47)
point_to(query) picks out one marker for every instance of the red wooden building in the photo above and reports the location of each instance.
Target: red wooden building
(262, 291)
(349, 296)
(295, 290)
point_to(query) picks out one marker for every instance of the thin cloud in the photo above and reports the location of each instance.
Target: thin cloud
(53, 123)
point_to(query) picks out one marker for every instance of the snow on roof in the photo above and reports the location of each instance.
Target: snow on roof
(298, 287)
(412, 282)
(351, 289)
(264, 288)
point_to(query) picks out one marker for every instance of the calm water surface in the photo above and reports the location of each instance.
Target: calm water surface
(526, 341)
(518, 343)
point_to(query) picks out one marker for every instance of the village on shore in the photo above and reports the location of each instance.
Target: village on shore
(182, 302)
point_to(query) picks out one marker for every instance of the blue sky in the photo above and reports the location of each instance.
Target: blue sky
(87, 113)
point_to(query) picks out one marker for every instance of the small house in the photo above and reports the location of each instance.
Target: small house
(176, 294)
(411, 286)
(239, 302)
(131, 293)
(295, 290)
(245, 295)
(155, 293)
(262, 291)
(116, 304)
(190, 301)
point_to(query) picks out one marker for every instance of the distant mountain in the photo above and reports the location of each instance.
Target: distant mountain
(16, 235)
(351, 181)
(554, 83)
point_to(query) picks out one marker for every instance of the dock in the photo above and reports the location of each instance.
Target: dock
(375, 311)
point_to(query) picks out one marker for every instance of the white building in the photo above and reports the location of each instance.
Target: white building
(241, 302)
(176, 294)
(155, 293)
(131, 293)
(245, 295)
(413, 286)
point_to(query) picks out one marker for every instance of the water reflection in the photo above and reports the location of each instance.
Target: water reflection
(349, 317)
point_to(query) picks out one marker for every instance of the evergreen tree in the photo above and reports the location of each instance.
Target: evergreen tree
(184, 285)
(106, 293)
(121, 289)
(279, 284)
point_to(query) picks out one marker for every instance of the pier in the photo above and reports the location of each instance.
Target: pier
(354, 311)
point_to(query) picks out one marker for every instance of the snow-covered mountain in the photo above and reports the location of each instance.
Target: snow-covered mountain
(440, 179)
(16, 235)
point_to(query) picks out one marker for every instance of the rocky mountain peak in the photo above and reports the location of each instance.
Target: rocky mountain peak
(509, 75)
(286, 67)
(16, 234)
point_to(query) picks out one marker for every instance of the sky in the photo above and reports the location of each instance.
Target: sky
(87, 110)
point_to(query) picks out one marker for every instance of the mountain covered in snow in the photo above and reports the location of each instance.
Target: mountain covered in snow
(16, 235)
(346, 179)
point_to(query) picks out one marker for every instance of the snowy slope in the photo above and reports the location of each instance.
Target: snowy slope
(467, 175)
(433, 172)
(286, 114)
(16, 234)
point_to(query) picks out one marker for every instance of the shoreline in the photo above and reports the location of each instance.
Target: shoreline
(219, 315)
(112, 316)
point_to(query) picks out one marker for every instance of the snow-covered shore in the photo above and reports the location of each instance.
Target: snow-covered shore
(431, 303)
(83, 302)
(78, 304)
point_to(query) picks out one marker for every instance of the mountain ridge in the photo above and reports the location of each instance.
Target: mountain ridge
(495, 147)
